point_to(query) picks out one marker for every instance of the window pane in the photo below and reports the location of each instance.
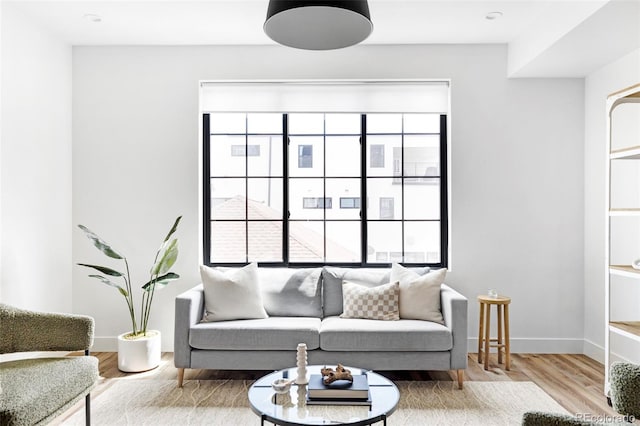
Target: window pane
(306, 241)
(388, 148)
(265, 241)
(422, 238)
(384, 123)
(340, 188)
(299, 189)
(422, 123)
(385, 238)
(268, 161)
(228, 198)
(421, 156)
(228, 242)
(223, 161)
(343, 241)
(264, 123)
(226, 123)
(342, 124)
(306, 156)
(421, 201)
(306, 124)
(265, 198)
(343, 156)
(385, 189)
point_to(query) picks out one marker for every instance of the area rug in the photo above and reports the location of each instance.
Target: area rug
(224, 402)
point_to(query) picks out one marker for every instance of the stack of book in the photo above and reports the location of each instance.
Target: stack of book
(338, 393)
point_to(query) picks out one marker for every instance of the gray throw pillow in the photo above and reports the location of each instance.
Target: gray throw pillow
(419, 294)
(290, 292)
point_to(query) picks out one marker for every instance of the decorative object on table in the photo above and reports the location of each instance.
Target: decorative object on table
(139, 349)
(492, 293)
(302, 378)
(281, 385)
(329, 375)
(357, 389)
(636, 264)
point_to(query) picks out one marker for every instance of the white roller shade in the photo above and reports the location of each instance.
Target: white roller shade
(348, 96)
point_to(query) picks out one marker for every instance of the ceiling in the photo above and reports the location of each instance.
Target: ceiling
(545, 38)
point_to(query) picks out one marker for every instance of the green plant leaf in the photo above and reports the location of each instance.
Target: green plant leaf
(100, 243)
(173, 228)
(167, 259)
(161, 281)
(108, 282)
(104, 270)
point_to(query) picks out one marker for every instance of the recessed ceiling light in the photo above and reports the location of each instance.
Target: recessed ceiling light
(92, 17)
(493, 15)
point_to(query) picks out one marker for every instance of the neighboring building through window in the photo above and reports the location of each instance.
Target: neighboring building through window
(305, 156)
(387, 209)
(316, 203)
(349, 203)
(240, 150)
(377, 156)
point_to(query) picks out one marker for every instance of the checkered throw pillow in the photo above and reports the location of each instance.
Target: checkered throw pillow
(378, 303)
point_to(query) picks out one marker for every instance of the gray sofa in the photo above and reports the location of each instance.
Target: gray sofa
(304, 306)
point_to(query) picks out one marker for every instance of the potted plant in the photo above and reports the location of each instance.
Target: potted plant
(139, 349)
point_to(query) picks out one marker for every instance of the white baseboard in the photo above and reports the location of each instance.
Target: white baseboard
(593, 351)
(538, 346)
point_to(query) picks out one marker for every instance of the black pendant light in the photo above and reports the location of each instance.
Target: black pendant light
(318, 25)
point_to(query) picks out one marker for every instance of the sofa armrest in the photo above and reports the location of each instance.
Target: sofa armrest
(454, 311)
(23, 330)
(189, 309)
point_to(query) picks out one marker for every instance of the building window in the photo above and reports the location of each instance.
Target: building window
(377, 156)
(240, 150)
(305, 156)
(316, 203)
(387, 208)
(349, 203)
(274, 205)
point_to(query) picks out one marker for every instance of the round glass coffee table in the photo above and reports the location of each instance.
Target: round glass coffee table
(291, 408)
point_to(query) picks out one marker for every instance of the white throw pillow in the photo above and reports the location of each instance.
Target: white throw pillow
(231, 294)
(419, 294)
(377, 303)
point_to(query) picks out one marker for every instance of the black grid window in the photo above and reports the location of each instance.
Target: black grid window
(270, 180)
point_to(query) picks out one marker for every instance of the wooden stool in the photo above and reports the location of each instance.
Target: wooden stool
(484, 333)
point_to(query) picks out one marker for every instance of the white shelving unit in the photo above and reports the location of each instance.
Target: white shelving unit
(623, 221)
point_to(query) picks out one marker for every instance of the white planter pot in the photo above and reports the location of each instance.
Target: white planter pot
(141, 354)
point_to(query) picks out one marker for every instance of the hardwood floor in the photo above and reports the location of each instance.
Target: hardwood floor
(575, 381)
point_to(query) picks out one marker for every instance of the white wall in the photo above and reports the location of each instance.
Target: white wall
(618, 75)
(35, 166)
(517, 174)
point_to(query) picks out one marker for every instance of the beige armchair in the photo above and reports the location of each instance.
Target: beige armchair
(34, 391)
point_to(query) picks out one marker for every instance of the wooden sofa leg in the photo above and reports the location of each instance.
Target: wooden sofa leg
(460, 378)
(87, 409)
(180, 377)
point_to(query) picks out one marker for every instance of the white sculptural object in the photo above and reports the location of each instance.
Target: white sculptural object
(302, 378)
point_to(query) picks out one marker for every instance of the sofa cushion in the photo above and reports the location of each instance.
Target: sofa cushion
(290, 292)
(376, 303)
(231, 294)
(332, 278)
(346, 334)
(419, 294)
(273, 333)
